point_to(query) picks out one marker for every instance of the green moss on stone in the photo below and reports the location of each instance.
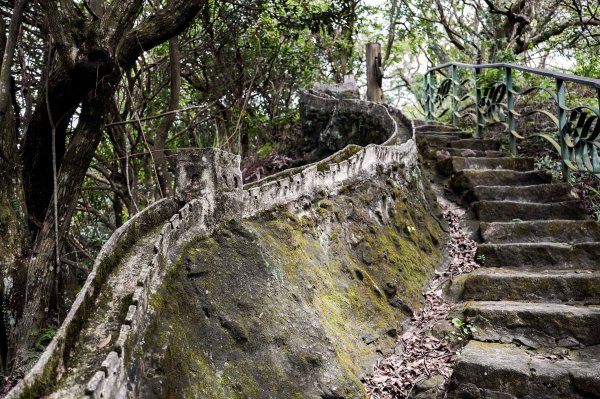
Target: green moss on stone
(290, 306)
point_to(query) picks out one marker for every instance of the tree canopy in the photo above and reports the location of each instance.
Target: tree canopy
(96, 96)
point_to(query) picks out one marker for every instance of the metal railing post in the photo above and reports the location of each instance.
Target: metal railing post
(454, 95)
(562, 121)
(426, 96)
(510, 102)
(430, 95)
(479, 118)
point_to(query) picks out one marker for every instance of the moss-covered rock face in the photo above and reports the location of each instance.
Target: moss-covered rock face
(296, 303)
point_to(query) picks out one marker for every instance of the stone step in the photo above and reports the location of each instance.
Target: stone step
(439, 137)
(465, 152)
(436, 128)
(541, 255)
(475, 144)
(436, 140)
(496, 284)
(468, 178)
(455, 164)
(505, 371)
(571, 231)
(535, 325)
(540, 193)
(506, 211)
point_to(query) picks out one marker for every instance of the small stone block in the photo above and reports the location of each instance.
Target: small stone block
(144, 276)
(254, 192)
(187, 207)
(184, 212)
(95, 383)
(110, 363)
(138, 296)
(175, 221)
(166, 230)
(122, 339)
(130, 314)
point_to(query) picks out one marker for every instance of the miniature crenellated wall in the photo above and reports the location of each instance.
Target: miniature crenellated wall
(118, 368)
(208, 182)
(51, 363)
(348, 163)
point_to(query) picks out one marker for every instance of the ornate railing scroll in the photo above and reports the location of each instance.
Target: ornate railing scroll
(452, 94)
(577, 134)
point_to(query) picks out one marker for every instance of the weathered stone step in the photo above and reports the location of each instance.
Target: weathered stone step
(504, 371)
(437, 140)
(475, 144)
(436, 128)
(534, 324)
(504, 211)
(540, 193)
(496, 284)
(465, 152)
(568, 231)
(541, 255)
(456, 164)
(469, 178)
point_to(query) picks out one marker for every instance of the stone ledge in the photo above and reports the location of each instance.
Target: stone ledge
(45, 370)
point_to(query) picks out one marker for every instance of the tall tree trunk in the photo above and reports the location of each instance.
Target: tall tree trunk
(40, 276)
(13, 226)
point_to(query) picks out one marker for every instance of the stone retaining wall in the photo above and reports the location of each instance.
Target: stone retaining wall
(116, 376)
(310, 179)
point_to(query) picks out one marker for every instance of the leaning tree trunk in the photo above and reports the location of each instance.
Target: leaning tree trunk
(93, 58)
(42, 269)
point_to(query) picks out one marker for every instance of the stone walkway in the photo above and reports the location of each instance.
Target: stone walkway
(535, 303)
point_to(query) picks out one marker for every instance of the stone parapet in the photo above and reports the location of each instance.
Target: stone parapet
(209, 182)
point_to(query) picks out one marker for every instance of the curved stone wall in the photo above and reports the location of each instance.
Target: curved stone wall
(398, 147)
(118, 368)
(116, 376)
(45, 372)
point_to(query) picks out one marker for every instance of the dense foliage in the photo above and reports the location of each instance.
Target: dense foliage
(96, 95)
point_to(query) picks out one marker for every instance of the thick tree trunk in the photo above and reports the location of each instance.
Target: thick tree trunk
(13, 226)
(65, 93)
(93, 58)
(13, 230)
(41, 268)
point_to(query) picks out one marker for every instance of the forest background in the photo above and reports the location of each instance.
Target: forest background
(96, 96)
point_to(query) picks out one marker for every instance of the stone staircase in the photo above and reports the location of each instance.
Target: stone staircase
(535, 302)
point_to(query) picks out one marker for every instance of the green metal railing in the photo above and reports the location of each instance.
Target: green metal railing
(576, 137)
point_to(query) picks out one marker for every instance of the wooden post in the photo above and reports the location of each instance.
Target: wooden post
(374, 73)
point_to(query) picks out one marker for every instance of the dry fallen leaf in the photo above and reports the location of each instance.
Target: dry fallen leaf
(419, 354)
(104, 342)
